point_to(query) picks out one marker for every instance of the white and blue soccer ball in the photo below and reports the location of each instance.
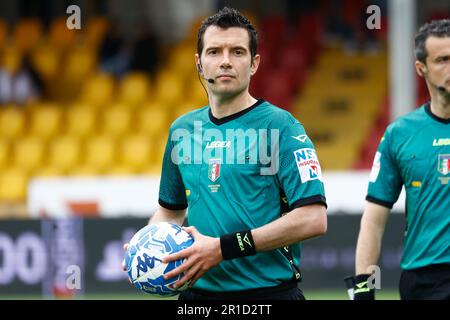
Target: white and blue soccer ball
(146, 250)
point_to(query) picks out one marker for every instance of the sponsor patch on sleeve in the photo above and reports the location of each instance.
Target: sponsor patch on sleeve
(375, 167)
(308, 164)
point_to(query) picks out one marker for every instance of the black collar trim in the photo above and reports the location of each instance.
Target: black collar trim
(435, 117)
(234, 115)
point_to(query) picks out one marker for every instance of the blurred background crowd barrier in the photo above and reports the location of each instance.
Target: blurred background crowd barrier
(84, 117)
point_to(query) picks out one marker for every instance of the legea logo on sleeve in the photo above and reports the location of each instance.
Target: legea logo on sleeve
(308, 164)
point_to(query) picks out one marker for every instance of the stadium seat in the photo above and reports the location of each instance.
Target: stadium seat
(46, 120)
(182, 60)
(196, 93)
(64, 153)
(98, 90)
(48, 172)
(116, 121)
(152, 121)
(12, 122)
(46, 61)
(152, 170)
(4, 153)
(86, 171)
(100, 153)
(169, 89)
(136, 151)
(59, 35)
(27, 33)
(81, 120)
(134, 89)
(13, 185)
(120, 170)
(159, 147)
(273, 27)
(29, 153)
(11, 58)
(80, 63)
(181, 108)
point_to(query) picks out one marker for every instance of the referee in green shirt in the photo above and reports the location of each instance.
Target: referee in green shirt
(247, 174)
(415, 153)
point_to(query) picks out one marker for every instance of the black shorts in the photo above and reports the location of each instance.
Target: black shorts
(285, 291)
(427, 283)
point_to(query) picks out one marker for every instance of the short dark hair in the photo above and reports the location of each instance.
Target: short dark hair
(436, 28)
(228, 18)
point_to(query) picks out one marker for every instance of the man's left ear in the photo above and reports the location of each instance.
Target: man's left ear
(255, 64)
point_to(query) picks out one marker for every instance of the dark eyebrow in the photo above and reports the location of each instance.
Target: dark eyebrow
(240, 48)
(211, 48)
(233, 48)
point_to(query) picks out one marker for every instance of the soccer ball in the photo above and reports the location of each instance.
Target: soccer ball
(147, 248)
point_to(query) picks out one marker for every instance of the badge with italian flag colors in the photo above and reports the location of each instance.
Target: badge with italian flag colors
(214, 169)
(444, 163)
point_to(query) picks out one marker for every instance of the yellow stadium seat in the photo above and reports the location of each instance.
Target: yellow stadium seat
(48, 172)
(182, 109)
(13, 185)
(116, 121)
(12, 122)
(197, 94)
(182, 60)
(153, 170)
(136, 151)
(134, 89)
(64, 153)
(121, 170)
(46, 120)
(4, 153)
(11, 59)
(159, 148)
(98, 90)
(169, 89)
(81, 120)
(80, 62)
(152, 121)
(29, 153)
(60, 36)
(27, 33)
(100, 153)
(85, 170)
(46, 60)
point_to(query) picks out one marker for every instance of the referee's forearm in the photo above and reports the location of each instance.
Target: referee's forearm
(370, 237)
(299, 224)
(163, 214)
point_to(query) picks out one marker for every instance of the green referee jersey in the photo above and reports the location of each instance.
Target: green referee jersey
(415, 153)
(238, 173)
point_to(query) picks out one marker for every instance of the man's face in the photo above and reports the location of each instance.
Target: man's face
(438, 61)
(226, 58)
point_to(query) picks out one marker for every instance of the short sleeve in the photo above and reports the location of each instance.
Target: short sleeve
(385, 182)
(172, 193)
(299, 173)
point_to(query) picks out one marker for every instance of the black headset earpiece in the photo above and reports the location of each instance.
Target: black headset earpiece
(422, 72)
(199, 68)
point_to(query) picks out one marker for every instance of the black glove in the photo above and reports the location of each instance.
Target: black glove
(361, 290)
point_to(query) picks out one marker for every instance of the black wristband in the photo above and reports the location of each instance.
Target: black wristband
(362, 290)
(238, 244)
